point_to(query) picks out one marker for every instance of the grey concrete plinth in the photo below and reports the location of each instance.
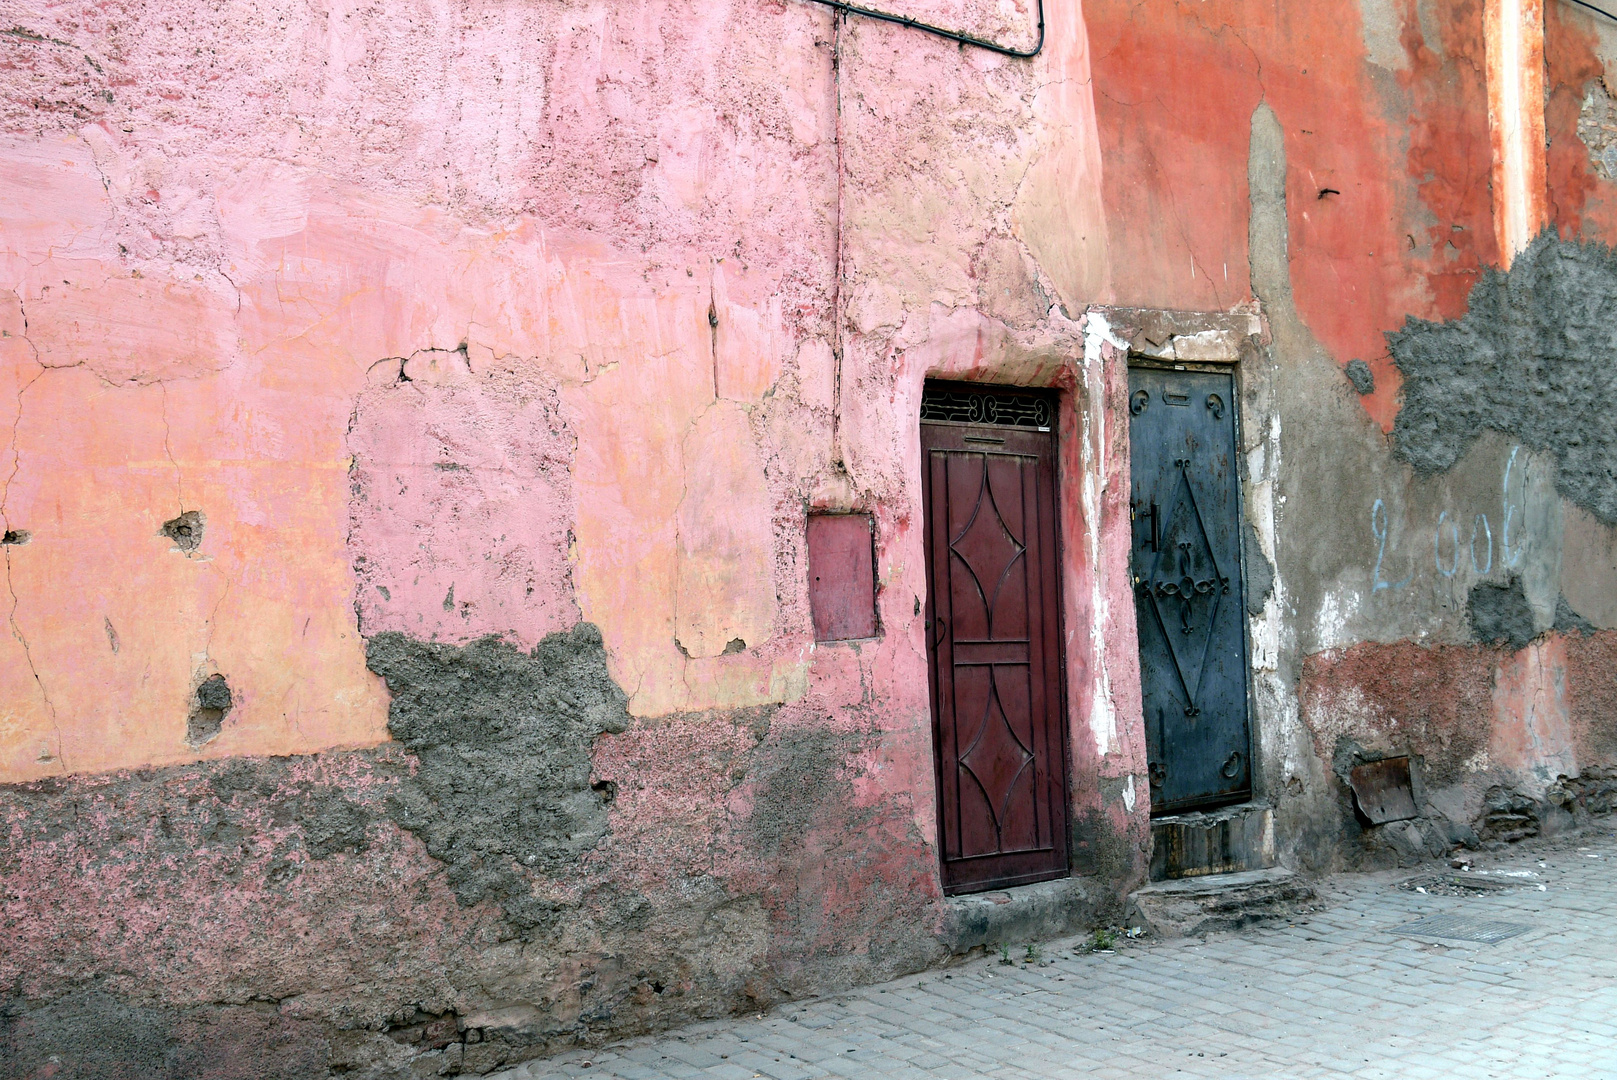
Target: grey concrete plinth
(1026, 913)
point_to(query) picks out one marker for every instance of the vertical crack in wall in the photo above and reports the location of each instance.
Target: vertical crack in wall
(168, 451)
(5, 519)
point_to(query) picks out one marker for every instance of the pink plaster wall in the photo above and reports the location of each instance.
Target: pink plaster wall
(458, 321)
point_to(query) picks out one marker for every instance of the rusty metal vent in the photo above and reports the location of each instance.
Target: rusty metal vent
(999, 406)
(1463, 928)
(1384, 790)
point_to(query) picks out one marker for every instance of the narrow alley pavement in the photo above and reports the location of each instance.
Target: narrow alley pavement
(1349, 990)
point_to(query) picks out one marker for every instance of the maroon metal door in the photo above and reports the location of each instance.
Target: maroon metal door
(993, 620)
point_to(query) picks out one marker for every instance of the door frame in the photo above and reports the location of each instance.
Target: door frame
(1062, 719)
(1223, 365)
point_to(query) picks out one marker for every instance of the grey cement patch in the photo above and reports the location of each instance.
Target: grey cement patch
(1568, 621)
(1500, 614)
(1359, 374)
(1534, 358)
(1260, 573)
(503, 738)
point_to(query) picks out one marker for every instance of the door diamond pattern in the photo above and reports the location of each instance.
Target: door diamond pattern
(1185, 588)
(989, 550)
(997, 759)
(993, 620)
(1191, 616)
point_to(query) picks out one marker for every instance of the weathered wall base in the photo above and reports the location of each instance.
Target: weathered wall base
(1491, 767)
(523, 869)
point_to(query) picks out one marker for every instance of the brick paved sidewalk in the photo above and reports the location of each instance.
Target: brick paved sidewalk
(1342, 994)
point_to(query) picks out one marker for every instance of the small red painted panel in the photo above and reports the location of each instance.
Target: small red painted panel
(842, 577)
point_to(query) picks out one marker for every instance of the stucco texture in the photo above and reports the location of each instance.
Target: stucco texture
(441, 331)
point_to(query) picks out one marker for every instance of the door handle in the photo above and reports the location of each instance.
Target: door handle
(1232, 767)
(942, 626)
(1152, 514)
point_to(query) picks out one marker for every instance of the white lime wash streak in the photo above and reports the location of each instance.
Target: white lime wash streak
(1092, 435)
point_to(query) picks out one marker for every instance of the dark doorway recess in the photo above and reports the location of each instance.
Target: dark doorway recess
(993, 621)
(1187, 587)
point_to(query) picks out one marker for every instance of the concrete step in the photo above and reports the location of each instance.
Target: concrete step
(1186, 907)
(1224, 841)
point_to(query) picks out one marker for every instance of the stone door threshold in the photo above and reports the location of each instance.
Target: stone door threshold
(1048, 909)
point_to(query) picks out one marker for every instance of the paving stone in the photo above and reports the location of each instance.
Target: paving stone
(1343, 994)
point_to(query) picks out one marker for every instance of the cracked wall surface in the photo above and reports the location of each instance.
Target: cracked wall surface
(360, 361)
(1332, 164)
(349, 357)
(524, 868)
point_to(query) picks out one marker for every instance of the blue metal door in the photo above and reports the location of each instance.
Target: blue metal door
(1187, 586)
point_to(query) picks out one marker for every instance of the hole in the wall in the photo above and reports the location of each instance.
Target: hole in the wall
(213, 702)
(16, 537)
(734, 645)
(606, 789)
(186, 530)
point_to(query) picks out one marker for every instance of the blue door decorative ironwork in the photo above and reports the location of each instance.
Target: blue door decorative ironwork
(1187, 587)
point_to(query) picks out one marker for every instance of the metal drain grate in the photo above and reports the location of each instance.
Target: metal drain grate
(1463, 928)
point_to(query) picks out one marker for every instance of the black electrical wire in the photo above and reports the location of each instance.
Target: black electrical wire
(1591, 7)
(927, 28)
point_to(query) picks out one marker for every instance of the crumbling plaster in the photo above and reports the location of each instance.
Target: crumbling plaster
(454, 322)
(511, 322)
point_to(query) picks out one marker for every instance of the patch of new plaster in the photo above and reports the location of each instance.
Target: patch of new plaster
(1260, 573)
(461, 504)
(1589, 566)
(1500, 614)
(503, 739)
(1534, 358)
(1007, 288)
(134, 329)
(1568, 621)
(1383, 32)
(725, 585)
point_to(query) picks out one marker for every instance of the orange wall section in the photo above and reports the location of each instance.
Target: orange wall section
(1388, 158)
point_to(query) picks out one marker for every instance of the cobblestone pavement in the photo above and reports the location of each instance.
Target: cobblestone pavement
(1342, 992)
